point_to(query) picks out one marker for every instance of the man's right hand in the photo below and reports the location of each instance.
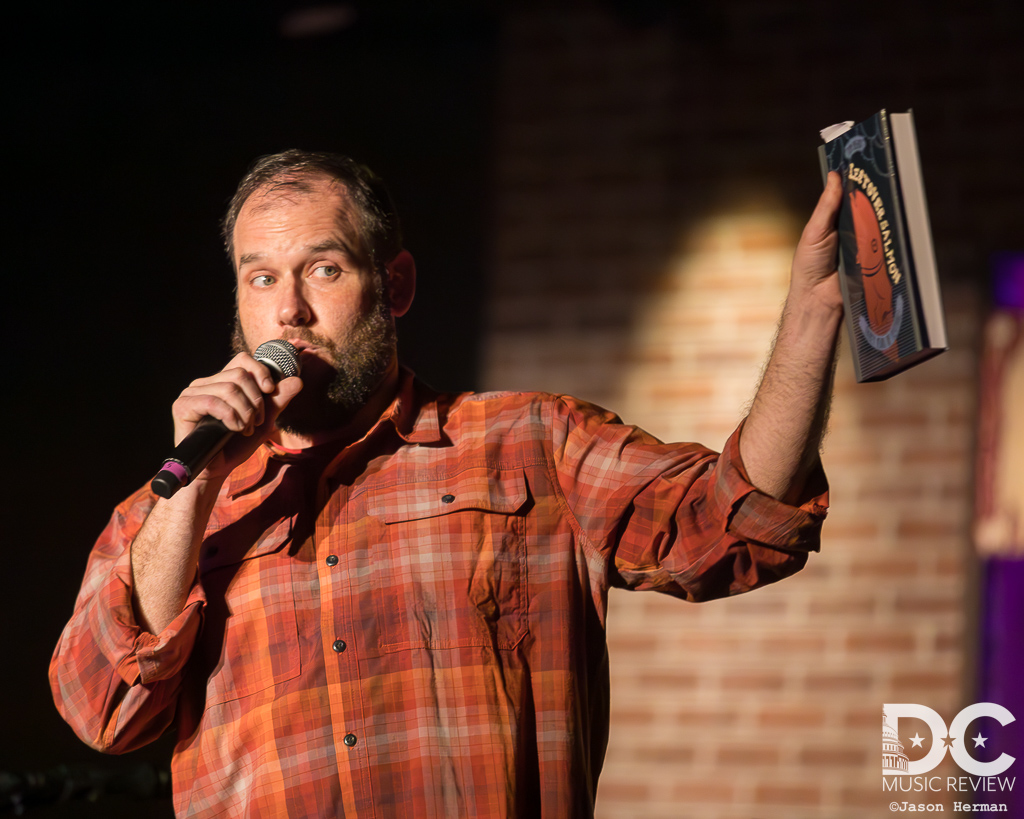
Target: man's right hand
(243, 397)
(165, 553)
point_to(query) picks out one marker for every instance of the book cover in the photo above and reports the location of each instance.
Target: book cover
(886, 260)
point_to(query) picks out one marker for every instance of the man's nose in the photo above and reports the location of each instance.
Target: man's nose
(294, 310)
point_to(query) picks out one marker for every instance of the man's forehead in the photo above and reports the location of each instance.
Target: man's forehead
(286, 191)
(296, 193)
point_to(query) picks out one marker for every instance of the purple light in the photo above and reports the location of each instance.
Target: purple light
(1008, 280)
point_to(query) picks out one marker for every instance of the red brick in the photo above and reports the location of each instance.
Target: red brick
(851, 529)
(676, 754)
(661, 606)
(788, 644)
(752, 681)
(862, 717)
(759, 604)
(937, 456)
(885, 641)
(908, 682)
(945, 641)
(919, 528)
(881, 416)
(868, 798)
(834, 757)
(885, 567)
(705, 718)
(632, 643)
(838, 681)
(714, 792)
(792, 716)
(682, 392)
(617, 790)
(721, 356)
(632, 716)
(883, 492)
(671, 679)
(843, 606)
(914, 604)
(748, 756)
(951, 566)
(698, 642)
(788, 794)
(852, 456)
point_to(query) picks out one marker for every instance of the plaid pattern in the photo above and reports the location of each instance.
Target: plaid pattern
(414, 626)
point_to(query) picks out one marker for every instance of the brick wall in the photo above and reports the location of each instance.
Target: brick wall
(652, 183)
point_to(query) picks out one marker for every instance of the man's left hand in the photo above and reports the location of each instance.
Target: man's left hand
(814, 274)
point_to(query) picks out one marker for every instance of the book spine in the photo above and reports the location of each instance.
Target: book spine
(903, 255)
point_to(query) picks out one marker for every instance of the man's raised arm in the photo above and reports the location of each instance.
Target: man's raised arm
(782, 433)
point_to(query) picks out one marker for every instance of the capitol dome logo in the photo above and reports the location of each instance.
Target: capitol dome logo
(894, 760)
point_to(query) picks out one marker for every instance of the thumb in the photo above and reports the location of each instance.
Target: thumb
(822, 222)
(286, 390)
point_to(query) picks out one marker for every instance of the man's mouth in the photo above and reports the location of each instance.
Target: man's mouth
(303, 346)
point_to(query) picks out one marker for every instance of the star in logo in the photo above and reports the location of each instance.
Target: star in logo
(949, 741)
(917, 739)
(979, 740)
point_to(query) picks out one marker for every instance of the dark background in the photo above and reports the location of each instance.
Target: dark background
(131, 126)
(128, 126)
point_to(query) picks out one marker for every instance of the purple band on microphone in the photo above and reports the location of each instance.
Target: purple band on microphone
(177, 470)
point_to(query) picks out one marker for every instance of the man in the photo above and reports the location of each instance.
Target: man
(381, 601)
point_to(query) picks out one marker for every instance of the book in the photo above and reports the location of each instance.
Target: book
(887, 269)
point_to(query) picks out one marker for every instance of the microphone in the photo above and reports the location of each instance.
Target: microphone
(199, 447)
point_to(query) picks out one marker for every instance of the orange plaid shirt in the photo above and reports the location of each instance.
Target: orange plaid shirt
(415, 626)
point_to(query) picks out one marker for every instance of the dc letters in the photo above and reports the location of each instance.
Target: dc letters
(957, 737)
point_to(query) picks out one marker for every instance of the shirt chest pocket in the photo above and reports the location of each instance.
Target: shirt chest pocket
(250, 640)
(449, 562)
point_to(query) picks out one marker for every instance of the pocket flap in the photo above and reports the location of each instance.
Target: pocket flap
(485, 489)
(242, 540)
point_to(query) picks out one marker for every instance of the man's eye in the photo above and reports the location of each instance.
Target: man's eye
(326, 271)
(263, 280)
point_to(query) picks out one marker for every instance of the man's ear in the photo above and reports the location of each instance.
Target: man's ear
(401, 283)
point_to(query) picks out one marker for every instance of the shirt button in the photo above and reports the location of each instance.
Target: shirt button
(339, 646)
(332, 560)
(448, 499)
(350, 740)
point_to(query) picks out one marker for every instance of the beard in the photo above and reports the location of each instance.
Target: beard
(333, 392)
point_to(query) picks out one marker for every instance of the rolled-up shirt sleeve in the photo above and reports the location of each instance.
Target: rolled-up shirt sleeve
(113, 682)
(678, 518)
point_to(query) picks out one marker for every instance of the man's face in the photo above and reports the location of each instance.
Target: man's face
(304, 276)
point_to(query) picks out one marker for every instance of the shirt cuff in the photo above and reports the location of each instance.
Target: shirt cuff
(756, 517)
(137, 655)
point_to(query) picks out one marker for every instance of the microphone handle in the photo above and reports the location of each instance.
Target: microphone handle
(191, 456)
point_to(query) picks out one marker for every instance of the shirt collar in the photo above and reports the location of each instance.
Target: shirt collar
(413, 414)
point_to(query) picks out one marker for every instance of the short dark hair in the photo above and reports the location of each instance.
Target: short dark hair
(294, 169)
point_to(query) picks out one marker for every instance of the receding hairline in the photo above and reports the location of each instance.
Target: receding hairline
(369, 207)
(291, 185)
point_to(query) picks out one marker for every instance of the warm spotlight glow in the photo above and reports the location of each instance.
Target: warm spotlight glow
(701, 337)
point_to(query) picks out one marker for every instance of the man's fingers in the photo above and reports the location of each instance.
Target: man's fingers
(189, 410)
(237, 385)
(234, 396)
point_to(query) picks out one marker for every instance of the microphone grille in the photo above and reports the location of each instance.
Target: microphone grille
(280, 357)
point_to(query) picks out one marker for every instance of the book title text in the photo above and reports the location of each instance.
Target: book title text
(860, 178)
